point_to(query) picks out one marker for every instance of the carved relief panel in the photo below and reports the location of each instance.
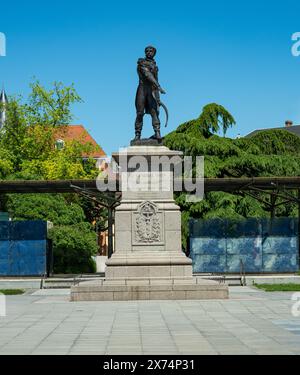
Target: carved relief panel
(148, 224)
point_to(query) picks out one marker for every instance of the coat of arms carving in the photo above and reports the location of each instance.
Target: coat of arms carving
(147, 223)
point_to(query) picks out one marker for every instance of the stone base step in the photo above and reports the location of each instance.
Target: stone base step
(63, 283)
(107, 290)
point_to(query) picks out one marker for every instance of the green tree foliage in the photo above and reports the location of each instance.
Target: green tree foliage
(51, 207)
(268, 153)
(12, 138)
(51, 107)
(6, 163)
(27, 151)
(73, 247)
(277, 142)
(30, 131)
(213, 118)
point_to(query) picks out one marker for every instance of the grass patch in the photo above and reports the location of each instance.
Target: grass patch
(11, 292)
(278, 287)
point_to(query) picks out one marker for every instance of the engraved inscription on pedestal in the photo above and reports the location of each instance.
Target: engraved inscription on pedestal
(148, 224)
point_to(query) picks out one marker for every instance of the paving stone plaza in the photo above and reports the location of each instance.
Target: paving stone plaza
(249, 322)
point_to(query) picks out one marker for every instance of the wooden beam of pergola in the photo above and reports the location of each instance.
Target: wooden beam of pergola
(210, 184)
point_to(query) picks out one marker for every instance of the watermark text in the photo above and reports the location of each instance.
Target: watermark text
(295, 310)
(2, 305)
(152, 173)
(2, 45)
(296, 46)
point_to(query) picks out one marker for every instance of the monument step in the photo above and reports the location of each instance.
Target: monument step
(100, 290)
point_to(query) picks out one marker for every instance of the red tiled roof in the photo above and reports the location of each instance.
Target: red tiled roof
(79, 133)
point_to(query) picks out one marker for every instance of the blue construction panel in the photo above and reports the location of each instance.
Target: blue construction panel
(28, 230)
(281, 226)
(252, 263)
(29, 257)
(211, 228)
(280, 245)
(209, 263)
(32, 257)
(23, 248)
(31, 249)
(14, 259)
(5, 258)
(4, 230)
(243, 245)
(4, 249)
(247, 228)
(209, 246)
(4, 267)
(263, 245)
(280, 263)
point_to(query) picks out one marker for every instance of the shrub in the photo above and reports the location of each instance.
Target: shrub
(73, 248)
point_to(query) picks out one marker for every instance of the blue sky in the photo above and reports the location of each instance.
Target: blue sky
(235, 53)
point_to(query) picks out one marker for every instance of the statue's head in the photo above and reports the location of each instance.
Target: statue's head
(150, 52)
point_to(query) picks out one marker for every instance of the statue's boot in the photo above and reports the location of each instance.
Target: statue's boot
(155, 124)
(157, 134)
(138, 125)
(137, 136)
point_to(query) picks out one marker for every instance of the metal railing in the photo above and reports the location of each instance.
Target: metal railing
(222, 278)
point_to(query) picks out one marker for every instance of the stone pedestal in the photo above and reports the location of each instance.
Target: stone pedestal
(148, 262)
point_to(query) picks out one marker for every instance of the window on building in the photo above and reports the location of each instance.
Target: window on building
(59, 144)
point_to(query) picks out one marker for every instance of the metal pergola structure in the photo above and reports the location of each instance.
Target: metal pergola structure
(109, 200)
(276, 187)
(229, 185)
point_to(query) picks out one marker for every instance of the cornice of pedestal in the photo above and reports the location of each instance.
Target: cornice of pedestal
(146, 151)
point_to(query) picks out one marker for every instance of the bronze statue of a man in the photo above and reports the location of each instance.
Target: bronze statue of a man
(147, 96)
